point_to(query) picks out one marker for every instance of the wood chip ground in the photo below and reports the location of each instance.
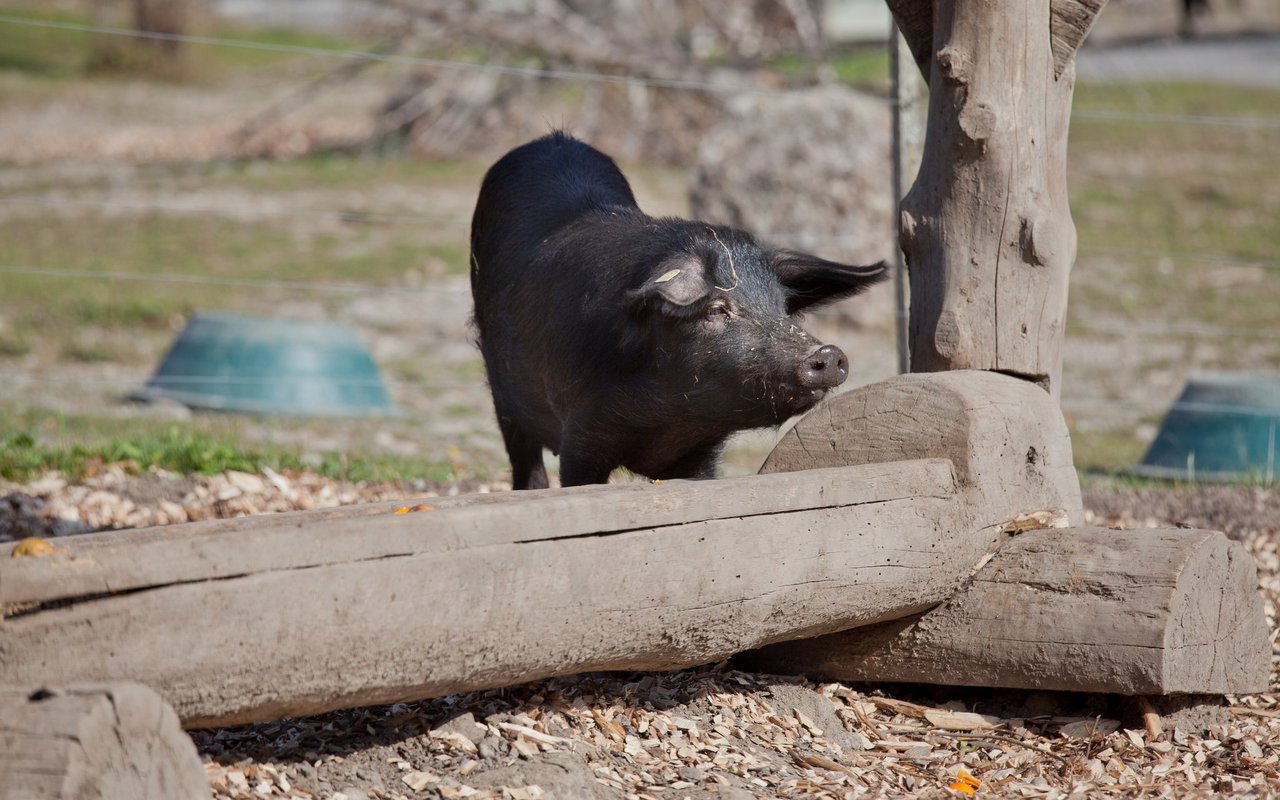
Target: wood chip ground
(712, 732)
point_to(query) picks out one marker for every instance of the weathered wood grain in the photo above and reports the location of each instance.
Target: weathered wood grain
(110, 562)
(986, 228)
(386, 608)
(1139, 612)
(1006, 437)
(1069, 23)
(95, 742)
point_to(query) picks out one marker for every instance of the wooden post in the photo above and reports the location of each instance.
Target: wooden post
(95, 742)
(908, 128)
(986, 228)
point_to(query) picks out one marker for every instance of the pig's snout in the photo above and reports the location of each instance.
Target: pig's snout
(824, 368)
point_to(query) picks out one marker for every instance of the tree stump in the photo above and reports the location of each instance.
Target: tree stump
(95, 742)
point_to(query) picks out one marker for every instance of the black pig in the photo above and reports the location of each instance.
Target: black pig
(618, 339)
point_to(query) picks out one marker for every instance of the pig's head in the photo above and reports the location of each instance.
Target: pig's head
(720, 313)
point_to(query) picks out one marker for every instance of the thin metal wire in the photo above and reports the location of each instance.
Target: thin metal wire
(31, 376)
(1260, 123)
(178, 208)
(1207, 258)
(393, 58)
(1068, 403)
(1209, 331)
(1159, 408)
(213, 281)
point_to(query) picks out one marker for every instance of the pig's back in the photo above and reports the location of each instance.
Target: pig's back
(539, 188)
(533, 270)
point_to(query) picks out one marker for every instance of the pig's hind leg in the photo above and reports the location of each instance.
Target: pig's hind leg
(527, 468)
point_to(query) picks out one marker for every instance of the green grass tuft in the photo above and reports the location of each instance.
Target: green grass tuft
(25, 455)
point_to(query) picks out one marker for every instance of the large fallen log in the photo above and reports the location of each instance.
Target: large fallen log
(370, 610)
(304, 613)
(1127, 612)
(95, 741)
(1147, 612)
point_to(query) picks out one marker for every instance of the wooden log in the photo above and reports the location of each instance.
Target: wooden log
(1131, 612)
(286, 619)
(95, 741)
(986, 228)
(1147, 612)
(1006, 437)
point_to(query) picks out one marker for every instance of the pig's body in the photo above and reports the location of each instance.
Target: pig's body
(616, 339)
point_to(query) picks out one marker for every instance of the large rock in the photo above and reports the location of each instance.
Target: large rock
(809, 170)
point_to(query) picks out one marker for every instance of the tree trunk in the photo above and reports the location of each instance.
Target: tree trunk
(986, 228)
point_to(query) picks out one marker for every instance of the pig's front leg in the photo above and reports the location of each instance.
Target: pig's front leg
(586, 457)
(698, 464)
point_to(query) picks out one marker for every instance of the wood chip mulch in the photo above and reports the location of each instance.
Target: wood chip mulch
(711, 732)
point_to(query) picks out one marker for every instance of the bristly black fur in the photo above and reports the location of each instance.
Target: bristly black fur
(618, 339)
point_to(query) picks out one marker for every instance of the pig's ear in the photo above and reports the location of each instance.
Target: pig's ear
(681, 282)
(811, 281)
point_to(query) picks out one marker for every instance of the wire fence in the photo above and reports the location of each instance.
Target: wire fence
(98, 199)
(733, 88)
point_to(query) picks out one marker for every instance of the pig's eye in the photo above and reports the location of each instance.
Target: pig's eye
(718, 311)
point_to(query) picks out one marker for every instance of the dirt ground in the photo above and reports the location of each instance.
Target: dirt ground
(712, 732)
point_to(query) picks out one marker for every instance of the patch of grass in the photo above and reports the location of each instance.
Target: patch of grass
(1169, 214)
(25, 454)
(45, 52)
(1176, 97)
(88, 353)
(202, 247)
(115, 313)
(1106, 450)
(336, 171)
(14, 346)
(865, 68)
(60, 53)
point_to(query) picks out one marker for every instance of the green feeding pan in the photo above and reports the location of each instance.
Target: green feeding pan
(259, 365)
(1223, 427)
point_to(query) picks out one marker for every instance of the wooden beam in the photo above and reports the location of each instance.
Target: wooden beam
(280, 620)
(1140, 612)
(1006, 437)
(95, 741)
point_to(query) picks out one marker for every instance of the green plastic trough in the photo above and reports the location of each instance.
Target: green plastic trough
(1223, 427)
(260, 365)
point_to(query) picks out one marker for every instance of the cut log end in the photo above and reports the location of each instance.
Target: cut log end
(95, 741)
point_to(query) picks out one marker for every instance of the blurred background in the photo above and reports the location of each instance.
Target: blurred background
(318, 160)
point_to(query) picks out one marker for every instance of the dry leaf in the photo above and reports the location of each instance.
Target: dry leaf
(33, 546)
(1035, 520)
(666, 276)
(965, 784)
